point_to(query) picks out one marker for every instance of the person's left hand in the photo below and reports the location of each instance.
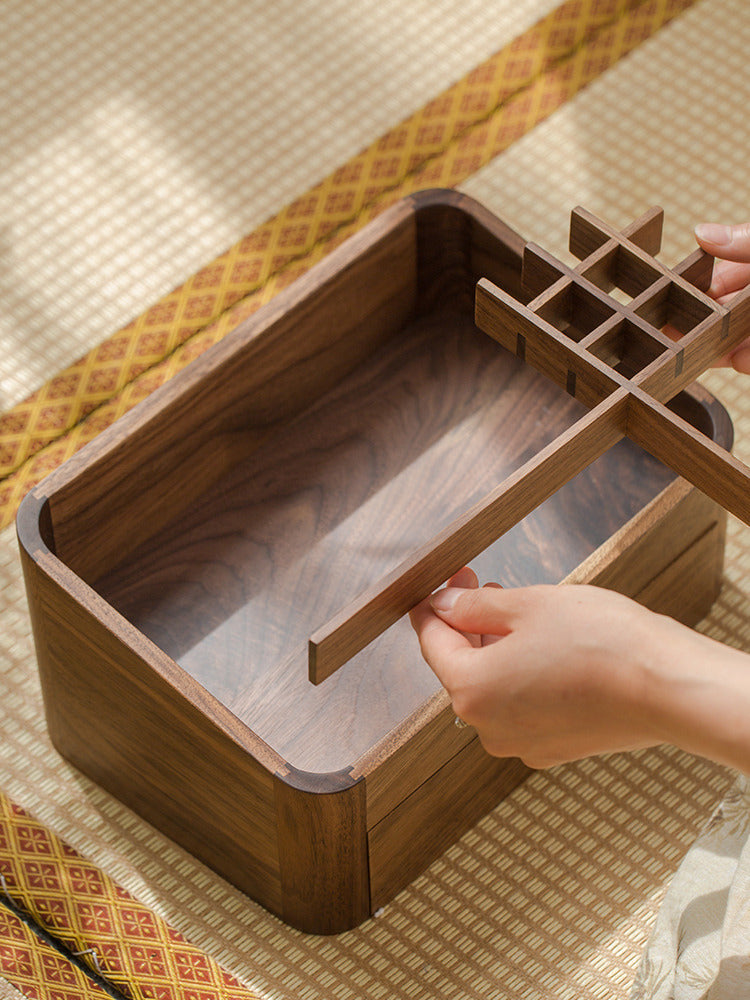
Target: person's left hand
(730, 245)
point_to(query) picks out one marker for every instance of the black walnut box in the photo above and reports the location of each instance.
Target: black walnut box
(273, 511)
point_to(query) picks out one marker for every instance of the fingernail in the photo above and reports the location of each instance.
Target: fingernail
(712, 232)
(444, 600)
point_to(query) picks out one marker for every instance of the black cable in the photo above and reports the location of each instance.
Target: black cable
(62, 948)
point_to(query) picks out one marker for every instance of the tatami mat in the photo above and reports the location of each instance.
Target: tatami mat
(120, 190)
(141, 139)
(665, 126)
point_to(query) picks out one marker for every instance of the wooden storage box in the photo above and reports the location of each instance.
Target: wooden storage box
(177, 566)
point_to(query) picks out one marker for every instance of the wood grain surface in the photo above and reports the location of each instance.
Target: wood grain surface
(336, 500)
(176, 567)
(332, 439)
(499, 510)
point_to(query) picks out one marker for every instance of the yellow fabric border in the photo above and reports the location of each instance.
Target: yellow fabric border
(445, 142)
(28, 963)
(79, 905)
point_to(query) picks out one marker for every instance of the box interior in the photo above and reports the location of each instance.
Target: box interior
(336, 499)
(344, 434)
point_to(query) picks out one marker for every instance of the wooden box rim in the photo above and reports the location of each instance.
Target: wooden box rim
(35, 523)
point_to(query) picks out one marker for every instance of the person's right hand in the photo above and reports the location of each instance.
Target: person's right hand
(730, 245)
(548, 674)
(552, 674)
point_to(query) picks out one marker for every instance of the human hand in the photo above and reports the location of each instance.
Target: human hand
(730, 245)
(548, 674)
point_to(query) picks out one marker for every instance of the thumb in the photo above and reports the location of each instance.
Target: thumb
(725, 242)
(484, 610)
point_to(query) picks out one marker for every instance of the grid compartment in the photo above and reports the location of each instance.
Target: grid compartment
(675, 307)
(575, 312)
(627, 348)
(621, 271)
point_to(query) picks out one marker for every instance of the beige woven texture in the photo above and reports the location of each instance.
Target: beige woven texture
(8, 991)
(141, 139)
(113, 193)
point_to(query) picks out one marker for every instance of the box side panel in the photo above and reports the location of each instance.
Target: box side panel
(459, 242)
(496, 254)
(140, 473)
(409, 838)
(323, 852)
(133, 732)
(687, 588)
(394, 768)
(633, 559)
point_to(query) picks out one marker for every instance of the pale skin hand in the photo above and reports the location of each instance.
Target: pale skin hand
(553, 674)
(731, 247)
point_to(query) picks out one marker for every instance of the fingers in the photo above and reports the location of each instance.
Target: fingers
(443, 646)
(729, 277)
(731, 274)
(465, 578)
(740, 359)
(486, 639)
(725, 242)
(485, 611)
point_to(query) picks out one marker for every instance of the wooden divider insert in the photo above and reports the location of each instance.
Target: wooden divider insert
(622, 355)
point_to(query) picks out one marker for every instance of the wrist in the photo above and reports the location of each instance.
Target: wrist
(697, 694)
